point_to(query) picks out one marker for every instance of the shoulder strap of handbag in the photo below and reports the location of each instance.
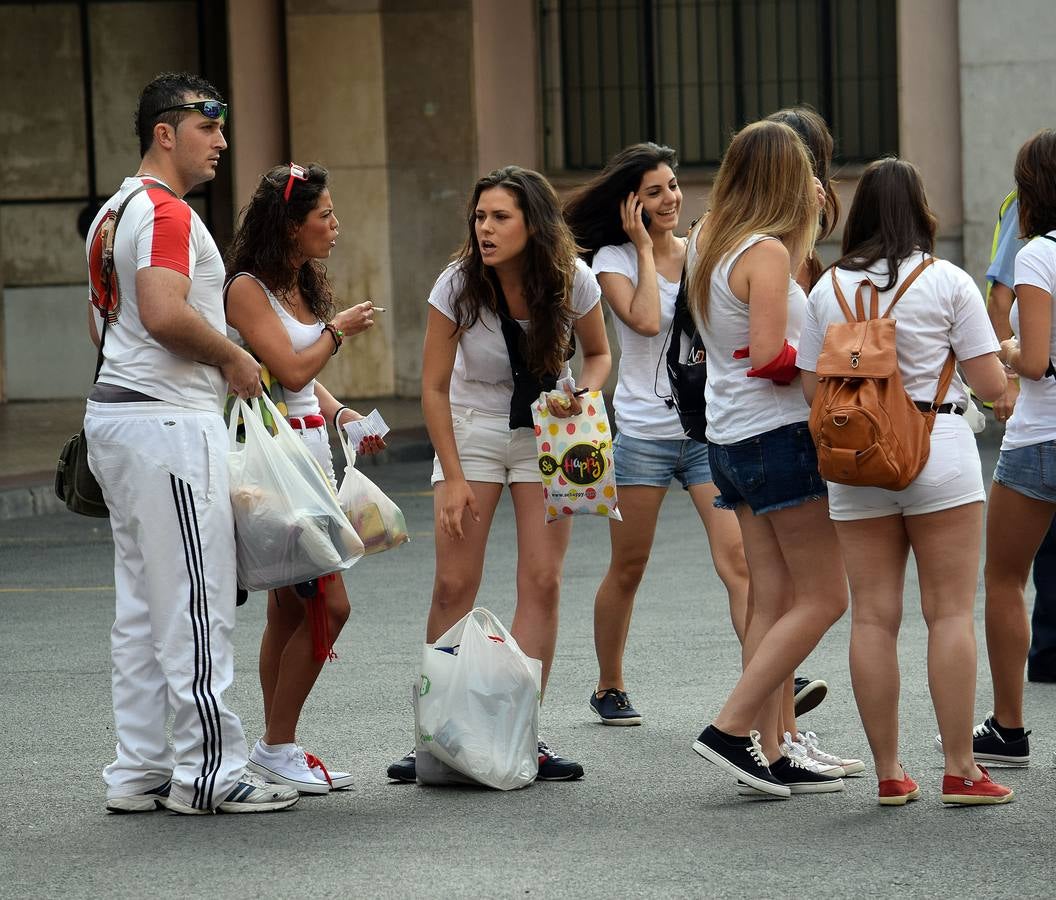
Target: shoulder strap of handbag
(946, 375)
(513, 335)
(681, 324)
(1051, 370)
(117, 221)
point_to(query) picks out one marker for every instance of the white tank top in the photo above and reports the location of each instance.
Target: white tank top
(740, 407)
(304, 401)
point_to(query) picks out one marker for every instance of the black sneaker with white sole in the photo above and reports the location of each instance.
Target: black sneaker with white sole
(405, 769)
(556, 768)
(994, 744)
(807, 693)
(741, 757)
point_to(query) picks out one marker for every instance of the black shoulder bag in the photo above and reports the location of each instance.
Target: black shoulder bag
(526, 385)
(75, 484)
(687, 378)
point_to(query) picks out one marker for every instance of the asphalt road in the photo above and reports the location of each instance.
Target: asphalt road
(649, 819)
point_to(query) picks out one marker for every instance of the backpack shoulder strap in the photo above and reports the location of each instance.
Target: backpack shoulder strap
(902, 288)
(850, 316)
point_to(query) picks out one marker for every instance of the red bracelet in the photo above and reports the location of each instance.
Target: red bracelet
(336, 334)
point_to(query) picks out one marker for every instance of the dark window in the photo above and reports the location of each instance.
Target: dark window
(689, 73)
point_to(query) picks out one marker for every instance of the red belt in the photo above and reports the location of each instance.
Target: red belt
(309, 422)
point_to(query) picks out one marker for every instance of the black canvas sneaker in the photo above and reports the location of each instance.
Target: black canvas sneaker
(741, 757)
(991, 744)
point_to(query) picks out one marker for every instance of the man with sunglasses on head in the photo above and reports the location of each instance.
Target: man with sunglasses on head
(157, 444)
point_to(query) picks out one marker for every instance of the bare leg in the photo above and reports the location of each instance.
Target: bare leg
(631, 541)
(875, 552)
(789, 548)
(298, 668)
(1015, 527)
(541, 551)
(727, 552)
(285, 614)
(460, 563)
(946, 547)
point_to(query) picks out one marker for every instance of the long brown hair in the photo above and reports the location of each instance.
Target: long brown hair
(264, 243)
(1035, 173)
(764, 186)
(889, 219)
(593, 211)
(549, 268)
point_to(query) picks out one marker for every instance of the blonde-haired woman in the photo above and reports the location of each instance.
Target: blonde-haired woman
(749, 310)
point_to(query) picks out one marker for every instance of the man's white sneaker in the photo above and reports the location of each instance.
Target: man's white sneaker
(810, 743)
(337, 780)
(251, 795)
(148, 801)
(287, 764)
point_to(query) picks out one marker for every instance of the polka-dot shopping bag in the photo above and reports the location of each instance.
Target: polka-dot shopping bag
(575, 460)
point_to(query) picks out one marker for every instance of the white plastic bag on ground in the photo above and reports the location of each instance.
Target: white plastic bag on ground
(477, 707)
(288, 524)
(377, 520)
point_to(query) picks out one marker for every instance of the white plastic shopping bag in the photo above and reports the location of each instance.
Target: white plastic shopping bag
(377, 520)
(575, 460)
(289, 527)
(477, 706)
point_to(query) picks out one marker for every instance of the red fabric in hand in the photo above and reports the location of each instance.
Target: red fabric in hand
(780, 370)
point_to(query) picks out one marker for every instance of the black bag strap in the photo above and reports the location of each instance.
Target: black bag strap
(681, 324)
(513, 335)
(108, 264)
(1051, 370)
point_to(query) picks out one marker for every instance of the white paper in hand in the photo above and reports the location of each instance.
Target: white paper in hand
(372, 425)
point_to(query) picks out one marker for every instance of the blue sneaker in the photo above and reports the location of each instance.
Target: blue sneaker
(148, 801)
(613, 708)
(556, 768)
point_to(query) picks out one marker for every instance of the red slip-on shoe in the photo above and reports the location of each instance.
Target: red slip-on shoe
(965, 792)
(898, 791)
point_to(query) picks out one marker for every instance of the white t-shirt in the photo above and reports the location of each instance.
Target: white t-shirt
(740, 407)
(1034, 416)
(302, 402)
(643, 383)
(941, 309)
(482, 378)
(157, 229)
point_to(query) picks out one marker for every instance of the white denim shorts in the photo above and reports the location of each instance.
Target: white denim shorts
(318, 443)
(951, 477)
(489, 451)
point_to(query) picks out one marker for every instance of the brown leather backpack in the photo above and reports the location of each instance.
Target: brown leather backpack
(867, 430)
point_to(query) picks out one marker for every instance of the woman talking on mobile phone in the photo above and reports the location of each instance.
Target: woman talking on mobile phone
(626, 219)
(518, 264)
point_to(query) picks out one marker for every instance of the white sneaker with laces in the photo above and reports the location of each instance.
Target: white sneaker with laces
(810, 743)
(287, 764)
(337, 780)
(797, 757)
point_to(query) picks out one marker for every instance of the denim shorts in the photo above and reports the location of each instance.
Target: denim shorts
(655, 463)
(1030, 471)
(771, 471)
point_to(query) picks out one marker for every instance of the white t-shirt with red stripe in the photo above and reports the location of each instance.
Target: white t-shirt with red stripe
(158, 229)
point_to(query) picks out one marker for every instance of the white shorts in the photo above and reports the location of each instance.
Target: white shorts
(489, 451)
(318, 442)
(952, 477)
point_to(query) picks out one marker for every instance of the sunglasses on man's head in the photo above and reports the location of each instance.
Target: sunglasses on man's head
(211, 109)
(297, 173)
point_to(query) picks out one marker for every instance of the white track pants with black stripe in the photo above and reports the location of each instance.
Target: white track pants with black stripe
(163, 471)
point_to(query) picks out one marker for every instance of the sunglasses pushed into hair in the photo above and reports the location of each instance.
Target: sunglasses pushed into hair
(297, 173)
(211, 109)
